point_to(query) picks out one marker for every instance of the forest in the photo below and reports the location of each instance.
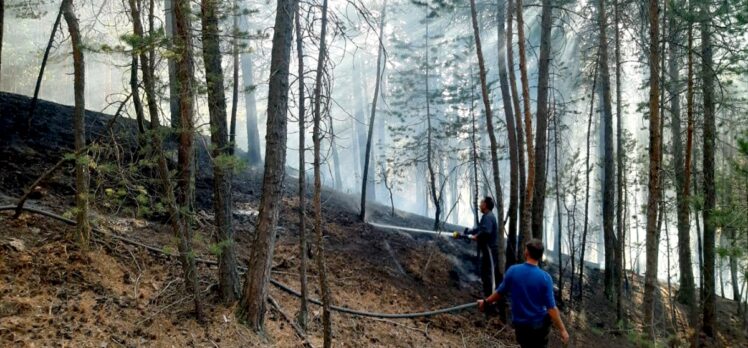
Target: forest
(244, 173)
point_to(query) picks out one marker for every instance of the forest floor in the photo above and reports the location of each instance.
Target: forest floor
(117, 294)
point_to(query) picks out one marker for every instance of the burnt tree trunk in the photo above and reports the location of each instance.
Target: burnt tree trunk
(252, 304)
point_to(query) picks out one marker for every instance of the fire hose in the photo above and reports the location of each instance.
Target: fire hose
(276, 283)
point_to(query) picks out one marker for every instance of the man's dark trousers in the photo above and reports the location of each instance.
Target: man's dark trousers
(533, 336)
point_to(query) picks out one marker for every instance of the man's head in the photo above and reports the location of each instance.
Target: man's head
(486, 205)
(534, 250)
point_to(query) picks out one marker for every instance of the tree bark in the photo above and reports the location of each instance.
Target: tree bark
(655, 150)
(317, 138)
(301, 318)
(500, 256)
(511, 134)
(620, 200)
(234, 75)
(541, 133)
(252, 304)
(710, 133)
(587, 170)
(83, 229)
(559, 231)
(526, 213)
(686, 290)
(367, 155)
(170, 29)
(228, 276)
(512, 239)
(134, 87)
(608, 196)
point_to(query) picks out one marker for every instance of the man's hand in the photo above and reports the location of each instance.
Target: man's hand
(473, 237)
(481, 305)
(565, 337)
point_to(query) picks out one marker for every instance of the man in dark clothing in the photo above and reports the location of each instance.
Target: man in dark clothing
(533, 304)
(486, 236)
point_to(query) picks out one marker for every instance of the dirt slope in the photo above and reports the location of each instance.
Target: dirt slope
(52, 294)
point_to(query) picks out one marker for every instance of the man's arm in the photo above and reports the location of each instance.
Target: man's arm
(555, 315)
(490, 299)
(480, 229)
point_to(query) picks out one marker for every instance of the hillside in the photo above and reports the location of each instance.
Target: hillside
(119, 294)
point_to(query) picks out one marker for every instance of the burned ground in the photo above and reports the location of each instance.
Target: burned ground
(116, 294)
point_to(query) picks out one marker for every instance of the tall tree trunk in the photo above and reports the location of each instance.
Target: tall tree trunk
(185, 75)
(559, 231)
(474, 146)
(652, 239)
(511, 132)
(254, 154)
(39, 78)
(686, 293)
(608, 197)
(170, 31)
(234, 74)
(367, 156)
(177, 209)
(511, 251)
(2, 29)
(435, 190)
(620, 201)
(317, 137)
(83, 229)
(303, 310)
(134, 87)
(526, 212)
(710, 133)
(228, 279)
(733, 263)
(541, 133)
(338, 183)
(252, 304)
(587, 170)
(501, 257)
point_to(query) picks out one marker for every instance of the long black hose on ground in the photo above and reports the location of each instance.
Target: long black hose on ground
(276, 283)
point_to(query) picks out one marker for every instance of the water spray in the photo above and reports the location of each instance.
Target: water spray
(445, 234)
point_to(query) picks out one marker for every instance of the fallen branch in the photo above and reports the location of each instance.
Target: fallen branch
(290, 320)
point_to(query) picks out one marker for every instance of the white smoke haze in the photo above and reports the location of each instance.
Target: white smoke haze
(352, 65)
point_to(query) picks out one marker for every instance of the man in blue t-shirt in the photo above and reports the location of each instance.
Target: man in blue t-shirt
(533, 306)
